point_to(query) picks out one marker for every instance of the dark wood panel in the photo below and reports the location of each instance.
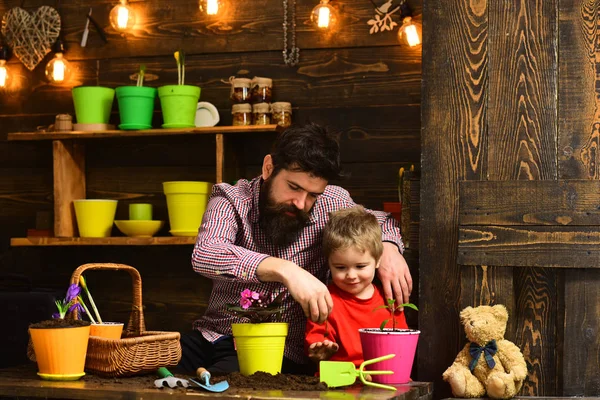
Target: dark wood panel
(571, 202)
(538, 289)
(579, 103)
(162, 27)
(25, 190)
(454, 144)
(539, 246)
(581, 347)
(522, 112)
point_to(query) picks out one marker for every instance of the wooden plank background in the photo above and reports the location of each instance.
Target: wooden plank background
(533, 135)
(367, 88)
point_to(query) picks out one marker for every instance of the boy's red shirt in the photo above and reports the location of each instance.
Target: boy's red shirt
(348, 315)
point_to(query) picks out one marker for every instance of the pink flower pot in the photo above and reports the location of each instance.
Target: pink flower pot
(401, 342)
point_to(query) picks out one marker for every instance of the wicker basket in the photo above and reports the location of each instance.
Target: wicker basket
(139, 351)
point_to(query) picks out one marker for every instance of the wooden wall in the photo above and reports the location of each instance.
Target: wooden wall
(511, 94)
(366, 87)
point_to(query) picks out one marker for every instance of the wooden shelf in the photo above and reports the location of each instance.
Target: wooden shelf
(68, 155)
(148, 132)
(108, 241)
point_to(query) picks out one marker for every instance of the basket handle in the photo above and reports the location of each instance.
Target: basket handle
(136, 323)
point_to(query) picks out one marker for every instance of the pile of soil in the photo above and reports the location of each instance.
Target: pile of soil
(257, 381)
(60, 323)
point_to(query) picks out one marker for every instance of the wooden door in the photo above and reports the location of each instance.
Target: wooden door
(511, 184)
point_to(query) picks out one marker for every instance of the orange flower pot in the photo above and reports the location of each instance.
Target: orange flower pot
(60, 352)
(109, 330)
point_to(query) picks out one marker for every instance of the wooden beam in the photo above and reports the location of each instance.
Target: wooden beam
(531, 246)
(107, 241)
(69, 184)
(511, 203)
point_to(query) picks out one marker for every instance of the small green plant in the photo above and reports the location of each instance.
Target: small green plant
(180, 58)
(391, 305)
(141, 73)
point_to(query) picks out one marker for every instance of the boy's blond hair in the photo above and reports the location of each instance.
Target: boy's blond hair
(352, 227)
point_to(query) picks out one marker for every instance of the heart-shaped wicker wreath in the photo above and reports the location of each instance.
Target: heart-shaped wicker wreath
(31, 36)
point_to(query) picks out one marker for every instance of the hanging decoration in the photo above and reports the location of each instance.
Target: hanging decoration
(58, 69)
(122, 17)
(4, 75)
(382, 21)
(324, 16)
(30, 36)
(291, 57)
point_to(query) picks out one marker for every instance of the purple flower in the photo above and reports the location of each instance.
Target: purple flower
(245, 303)
(246, 294)
(78, 307)
(72, 292)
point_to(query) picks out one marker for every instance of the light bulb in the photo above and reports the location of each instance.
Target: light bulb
(324, 16)
(409, 32)
(58, 69)
(122, 17)
(3, 74)
(210, 7)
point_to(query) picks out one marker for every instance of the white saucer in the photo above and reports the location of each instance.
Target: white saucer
(206, 114)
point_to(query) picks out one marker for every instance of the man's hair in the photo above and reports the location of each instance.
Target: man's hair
(352, 227)
(309, 148)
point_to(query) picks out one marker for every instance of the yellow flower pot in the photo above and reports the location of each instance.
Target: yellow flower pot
(95, 216)
(186, 203)
(260, 346)
(60, 352)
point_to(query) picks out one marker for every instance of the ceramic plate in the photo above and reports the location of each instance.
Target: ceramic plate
(206, 114)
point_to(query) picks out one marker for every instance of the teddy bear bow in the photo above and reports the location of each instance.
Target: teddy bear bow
(488, 351)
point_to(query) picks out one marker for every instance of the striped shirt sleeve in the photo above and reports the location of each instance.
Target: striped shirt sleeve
(215, 255)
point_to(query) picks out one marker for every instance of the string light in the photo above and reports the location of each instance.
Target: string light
(409, 32)
(122, 17)
(4, 75)
(58, 69)
(324, 16)
(210, 7)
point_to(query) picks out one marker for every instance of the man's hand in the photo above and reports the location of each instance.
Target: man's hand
(310, 292)
(321, 351)
(394, 274)
(307, 290)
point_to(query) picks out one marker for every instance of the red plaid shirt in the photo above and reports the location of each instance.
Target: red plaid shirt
(231, 245)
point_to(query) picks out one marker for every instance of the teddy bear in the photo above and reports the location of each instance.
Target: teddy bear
(489, 363)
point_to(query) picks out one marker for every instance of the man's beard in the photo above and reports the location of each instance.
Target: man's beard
(281, 228)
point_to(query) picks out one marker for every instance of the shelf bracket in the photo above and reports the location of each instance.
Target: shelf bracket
(69, 184)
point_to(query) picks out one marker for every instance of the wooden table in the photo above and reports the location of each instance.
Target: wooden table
(24, 382)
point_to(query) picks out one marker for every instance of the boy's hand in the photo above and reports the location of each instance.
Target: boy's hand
(322, 351)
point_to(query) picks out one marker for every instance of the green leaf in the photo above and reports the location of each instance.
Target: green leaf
(383, 324)
(409, 305)
(391, 302)
(379, 308)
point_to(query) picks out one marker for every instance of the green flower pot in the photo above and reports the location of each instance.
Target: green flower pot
(136, 105)
(179, 104)
(93, 104)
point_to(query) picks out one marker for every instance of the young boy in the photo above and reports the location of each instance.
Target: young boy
(353, 247)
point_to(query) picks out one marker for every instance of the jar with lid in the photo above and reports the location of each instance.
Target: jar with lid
(241, 91)
(281, 114)
(242, 114)
(262, 90)
(261, 114)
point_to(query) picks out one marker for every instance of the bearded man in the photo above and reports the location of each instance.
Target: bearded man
(265, 235)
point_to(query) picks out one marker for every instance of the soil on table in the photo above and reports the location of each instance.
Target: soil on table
(257, 381)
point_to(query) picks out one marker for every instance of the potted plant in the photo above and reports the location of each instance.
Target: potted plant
(60, 344)
(136, 103)
(179, 102)
(108, 330)
(92, 104)
(378, 342)
(259, 343)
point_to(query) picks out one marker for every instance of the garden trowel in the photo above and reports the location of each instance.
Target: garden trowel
(205, 382)
(344, 373)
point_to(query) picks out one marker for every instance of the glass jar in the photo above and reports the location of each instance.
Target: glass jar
(262, 90)
(242, 114)
(281, 114)
(240, 90)
(261, 114)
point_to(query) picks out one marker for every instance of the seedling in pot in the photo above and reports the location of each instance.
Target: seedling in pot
(141, 74)
(391, 305)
